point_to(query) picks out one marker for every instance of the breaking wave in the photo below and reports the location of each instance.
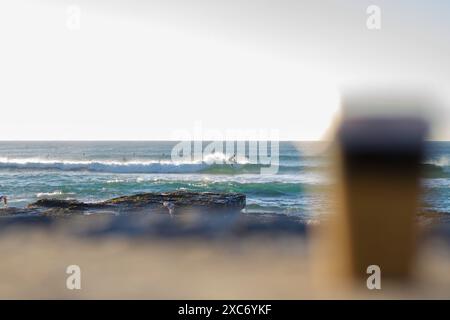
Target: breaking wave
(443, 161)
(138, 166)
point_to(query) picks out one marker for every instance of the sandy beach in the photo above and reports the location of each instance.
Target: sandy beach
(120, 266)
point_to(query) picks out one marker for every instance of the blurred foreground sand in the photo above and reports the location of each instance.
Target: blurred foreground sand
(34, 262)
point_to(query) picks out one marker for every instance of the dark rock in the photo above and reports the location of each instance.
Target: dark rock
(60, 204)
(429, 217)
(12, 211)
(177, 202)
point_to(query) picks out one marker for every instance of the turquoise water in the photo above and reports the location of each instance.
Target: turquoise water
(93, 171)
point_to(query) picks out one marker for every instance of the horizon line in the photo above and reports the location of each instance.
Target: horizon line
(181, 140)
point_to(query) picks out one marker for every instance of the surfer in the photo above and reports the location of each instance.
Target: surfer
(4, 199)
(170, 206)
(232, 159)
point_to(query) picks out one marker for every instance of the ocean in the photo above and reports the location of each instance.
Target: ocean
(95, 171)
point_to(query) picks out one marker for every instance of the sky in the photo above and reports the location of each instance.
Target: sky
(158, 70)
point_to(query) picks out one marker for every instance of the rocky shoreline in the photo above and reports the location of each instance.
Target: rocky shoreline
(164, 203)
(161, 215)
(171, 214)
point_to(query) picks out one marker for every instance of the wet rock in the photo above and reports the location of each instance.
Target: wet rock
(12, 211)
(431, 218)
(59, 204)
(179, 201)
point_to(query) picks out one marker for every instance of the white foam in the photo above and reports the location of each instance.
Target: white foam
(54, 194)
(110, 166)
(102, 166)
(443, 161)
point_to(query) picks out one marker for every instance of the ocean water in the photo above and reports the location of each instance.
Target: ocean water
(94, 171)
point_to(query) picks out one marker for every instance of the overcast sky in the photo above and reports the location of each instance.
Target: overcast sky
(142, 70)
